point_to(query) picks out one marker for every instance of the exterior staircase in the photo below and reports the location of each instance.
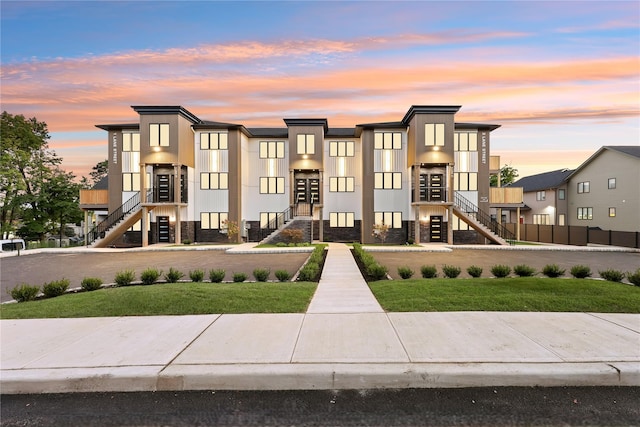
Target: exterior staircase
(118, 221)
(298, 216)
(482, 222)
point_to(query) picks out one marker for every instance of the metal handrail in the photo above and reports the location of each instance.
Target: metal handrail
(284, 217)
(483, 218)
(100, 230)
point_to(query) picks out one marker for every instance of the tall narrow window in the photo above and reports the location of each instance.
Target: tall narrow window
(561, 194)
(130, 182)
(387, 180)
(341, 219)
(159, 134)
(214, 181)
(214, 141)
(611, 184)
(272, 149)
(434, 134)
(306, 144)
(212, 220)
(612, 212)
(392, 219)
(271, 185)
(387, 141)
(130, 141)
(341, 149)
(341, 183)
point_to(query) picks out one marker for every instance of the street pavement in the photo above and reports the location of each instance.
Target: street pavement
(344, 341)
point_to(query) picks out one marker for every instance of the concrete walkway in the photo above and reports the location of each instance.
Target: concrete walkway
(344, 341)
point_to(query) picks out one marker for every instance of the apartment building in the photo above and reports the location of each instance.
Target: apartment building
(545, 199)
(174, 176)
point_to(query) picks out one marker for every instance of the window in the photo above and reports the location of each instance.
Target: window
(272, 185)
(130, 182)
(341, 219)
(159, 134)
(561, 194)
(540, 196)
(212, 220)
(465, 141)
(270, 220)
(214, 181)
(585, 213)
(341, 183)
(612, 212)
(214, 141)
(392, 219)
(388, 180)
(465, 181)
(137, 226)
(387, 141)
(611, 184)
(306, 144)
(341, 149)
(542, 219)
(272, 149)
(434, 134)
(130, 141)
(583, 187)
(561, 220)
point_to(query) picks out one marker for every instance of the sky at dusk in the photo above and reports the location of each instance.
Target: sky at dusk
(562, 78)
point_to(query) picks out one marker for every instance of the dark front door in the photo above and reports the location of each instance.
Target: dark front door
(307, 190)
(163, 229)
(164, 187)
(435, 231)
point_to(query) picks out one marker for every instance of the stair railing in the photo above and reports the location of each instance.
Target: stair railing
(483, 218)
(100, 230)
(286, 216)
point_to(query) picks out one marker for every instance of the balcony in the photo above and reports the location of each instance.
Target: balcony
(506, 197)
(93, 200)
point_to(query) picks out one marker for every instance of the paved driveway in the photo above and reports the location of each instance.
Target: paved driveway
(38, 269)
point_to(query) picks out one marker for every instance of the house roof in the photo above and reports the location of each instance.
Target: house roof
(627, 150)
(103, 184)
(542, 181)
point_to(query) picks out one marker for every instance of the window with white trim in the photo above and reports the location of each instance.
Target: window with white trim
(387, 140)
(130, 141)
(159, 134)
(214, 180)
(561, 220)
(306, 143)
(434, 134)
(130, 182)
(214, 141)
(272, 149)
(387, 180)
(271, 185)
(341, 183)
(612, 212)
(392, 219)
(341, 219)
(611, 184)
(541, 195)
(341, 149)
(213, 220)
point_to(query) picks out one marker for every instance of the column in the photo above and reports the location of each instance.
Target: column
(145, 226)
(449, 227)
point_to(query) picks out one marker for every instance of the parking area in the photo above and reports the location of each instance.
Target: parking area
(487, 258)
(38, 269)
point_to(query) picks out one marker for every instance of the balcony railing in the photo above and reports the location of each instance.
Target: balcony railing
(100, 230)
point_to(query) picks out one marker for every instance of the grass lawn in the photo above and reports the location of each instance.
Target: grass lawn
(170, 299)
(509, 294)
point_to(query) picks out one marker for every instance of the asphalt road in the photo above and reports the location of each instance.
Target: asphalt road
(509, 406)
(38, 269)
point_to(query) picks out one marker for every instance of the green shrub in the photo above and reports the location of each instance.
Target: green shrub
(429, 271)
(91, 283)
(196, 275)
(500, 271)
(150, 276)
(634, 278)
(282, 275)
(55, 288)
(552, 270)
(405, 272)
(186, 241)
(612, 275)
(523, 270)
(309, 272)
(24, 292)
(376, 271)
(125, 277)
(217, 276)
(173, 275)
(281, 245)
(261, 274)
(474, 271)
(451, 271)
(239, 277)
(580, 271)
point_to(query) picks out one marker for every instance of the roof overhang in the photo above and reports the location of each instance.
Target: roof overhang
(429, 109)
(166, 109)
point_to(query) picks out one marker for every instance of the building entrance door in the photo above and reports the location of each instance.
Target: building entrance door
(435, 231)
(163, 229)
(164, 190)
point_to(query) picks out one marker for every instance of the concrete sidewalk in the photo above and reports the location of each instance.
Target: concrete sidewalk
(344, 341)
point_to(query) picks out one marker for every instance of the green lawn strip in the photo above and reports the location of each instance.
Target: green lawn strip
(170, 299)
(510, 294)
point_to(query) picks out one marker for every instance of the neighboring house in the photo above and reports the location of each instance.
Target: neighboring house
(188, 177)
(545, 199)
(604, 191)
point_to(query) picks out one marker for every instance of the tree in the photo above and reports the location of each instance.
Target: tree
(36, 195)
(99, 171)
(508, 175)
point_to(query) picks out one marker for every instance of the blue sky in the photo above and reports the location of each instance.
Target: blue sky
(562, 78)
